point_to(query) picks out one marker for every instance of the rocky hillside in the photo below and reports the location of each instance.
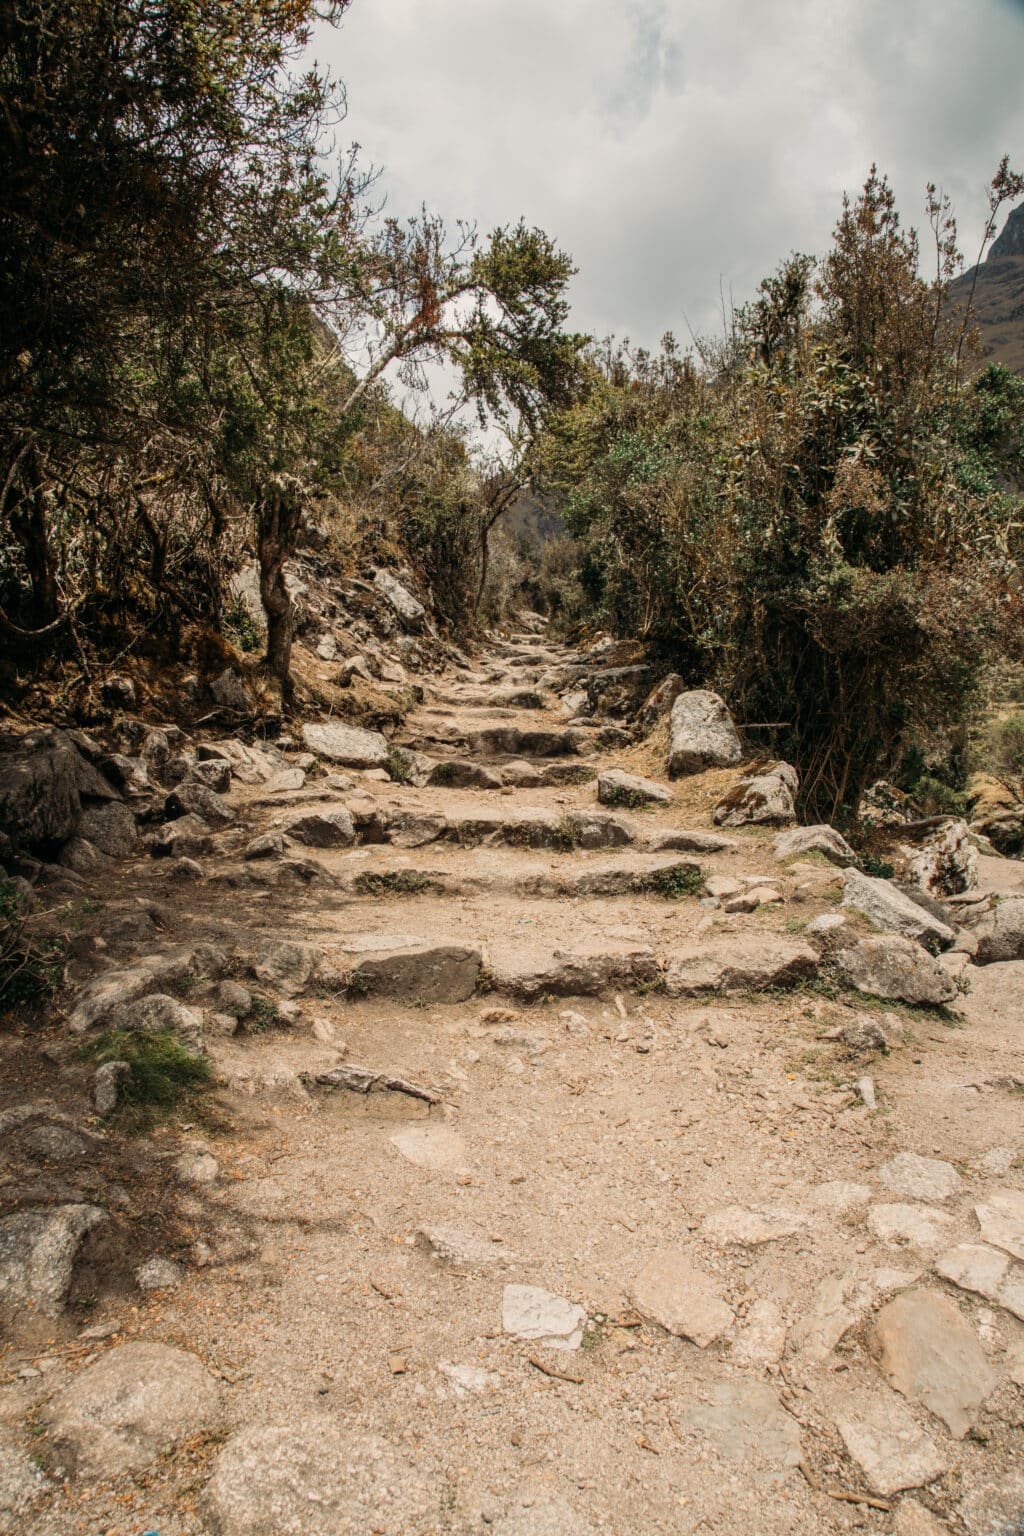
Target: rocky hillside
(999, 296)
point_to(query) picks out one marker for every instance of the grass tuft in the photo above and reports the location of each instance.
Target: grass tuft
(165, 1075)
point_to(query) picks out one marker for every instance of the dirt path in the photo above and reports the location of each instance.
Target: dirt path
(695, 1182)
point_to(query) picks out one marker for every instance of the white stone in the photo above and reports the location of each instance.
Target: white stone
(680, 1298)
(1001, 1218)
(736, 1225)
(762, 1339)
(702, 734)
(346, 744)
(920, 1178)
(919, 1225)
(470, 1378)
(882, 1437)
(528, 1312)
(889, 909)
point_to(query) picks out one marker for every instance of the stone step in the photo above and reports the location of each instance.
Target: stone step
(527, 741)
(454, 872)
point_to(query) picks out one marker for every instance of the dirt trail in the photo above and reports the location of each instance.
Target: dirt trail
(359, 1247)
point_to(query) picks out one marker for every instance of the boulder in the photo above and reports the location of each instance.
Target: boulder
(185, 838)
(415, 973)
(738, 963)
(817, 839)
(349, 745)
(194, 799)
(286, 965)
(765, 798)
(702, 734)
(38, 1250)
(39, 792)
(615, 787)
(231, 693)
(897, 970)
(1001, 933)
(134, 1405)
(885, 905)
(942, 859)
(411, 612)
(659, 701)
(159, 1011)
(22, 1485)
(110, 828)
(463, 773)
(322, 829)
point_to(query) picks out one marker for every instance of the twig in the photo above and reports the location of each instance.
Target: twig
(550, 1370)
(840, 1493)
(365, 1080)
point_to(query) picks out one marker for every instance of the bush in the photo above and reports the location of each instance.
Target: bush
(1006, 745)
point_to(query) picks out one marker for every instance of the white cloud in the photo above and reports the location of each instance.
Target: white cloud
(675, 145)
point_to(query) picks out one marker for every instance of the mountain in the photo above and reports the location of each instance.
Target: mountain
(999, 296)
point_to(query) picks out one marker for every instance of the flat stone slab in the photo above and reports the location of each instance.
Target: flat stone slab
(430, 1146)
(762, 1339)
(738, 963)
(920, 1226)
(896, 969)
(928, 1352)
(414, 973)
(737, 1226)
(745, 1421)
(583, 973)
(690, 840)
(450, 1245)
(985, 1272)
(1001, 1218)
(527, 1312)
(136, 1403)
(679, 1297)
(890, 1448)
(920, 1178)
(349, 745)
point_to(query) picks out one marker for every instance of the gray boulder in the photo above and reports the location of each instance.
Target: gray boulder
(896, 969)
(349, 745)
(22, 1485)
(411, 613)
(1001, 934)
(133, 1406)
(159, 1011)
(39, 792)
(885, 905)
(738, 963)
(194, 799)
(702, 734)
(764, 798)
(110, 828)
(322, 829)
(943, 859)
(616, 787)
(821, 839)
(38, 1250)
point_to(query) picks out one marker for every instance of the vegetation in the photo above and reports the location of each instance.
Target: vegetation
(29, 969)
(164, 1074)
(814, 516)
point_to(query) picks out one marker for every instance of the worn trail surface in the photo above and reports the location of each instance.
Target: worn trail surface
(721, 1230)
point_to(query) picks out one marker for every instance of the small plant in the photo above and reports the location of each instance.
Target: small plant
(263, 1015)
(400, 765)
(241, 628)
(28, 970)
(164, 1074)
(674, 883)
(398, 882)
(871, 864)
(443, 774)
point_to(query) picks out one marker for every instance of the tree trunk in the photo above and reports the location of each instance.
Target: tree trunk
(30, 526)
(278, 522)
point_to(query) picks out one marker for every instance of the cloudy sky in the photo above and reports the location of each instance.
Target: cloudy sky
(679, 148)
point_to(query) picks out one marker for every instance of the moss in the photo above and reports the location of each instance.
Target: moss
(673, 884)
(399, 882)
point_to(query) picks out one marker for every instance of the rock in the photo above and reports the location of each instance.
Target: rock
(196, 1168)
(919, 1178)
(106, 1085)
(745, 1421)
(470, 1378)
(994, 1506)
(825, 924)
(98, 1001)
(575, 704)
(919, 1225)
(683, 840)
(412, 613)
(192, 798)
(735, 1225)
(188, 837)
(450, 1245)
(462, 773)
(1001, 1218)
(430, 1146)
(928, 1352)
(159, 1274)
(346, 744)
(885, 905)
(1001, 936)
(615, 787)
(286, 965)
(110, 828)
(322, 829)
(158, 1011)
(231, 693)
(22, 1485)
(39, 791)
(134, 1405)
(866, 1033)
(895, 969)
(892, 1451)
(587, 973)
(51, 1143)
(184, 869)
(80, 855)
(837, 1305)
(765, 798)
(944, 861)
(214, 772)
(310, 1477)
(738, 963)
(527, 1312)
(702, 734)
(38, 1250)
(659, 701)
(817, 839)
(986, 1272)
(355, 666)
(680, 1298)
(268, 845)
(413, 972)
(866, 1089)
(762, 1339)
